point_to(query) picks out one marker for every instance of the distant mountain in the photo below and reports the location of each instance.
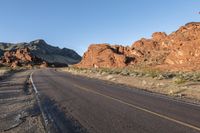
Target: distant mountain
(41, 50)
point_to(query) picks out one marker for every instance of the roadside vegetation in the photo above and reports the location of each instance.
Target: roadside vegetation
(177, 77)
(176, 84)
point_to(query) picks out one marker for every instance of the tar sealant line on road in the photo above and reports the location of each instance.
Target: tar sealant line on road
(140, 108)
(39, 103)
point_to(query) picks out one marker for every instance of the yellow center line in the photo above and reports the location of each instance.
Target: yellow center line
(140, 108)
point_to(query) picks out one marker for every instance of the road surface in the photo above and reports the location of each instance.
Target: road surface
(79, 104)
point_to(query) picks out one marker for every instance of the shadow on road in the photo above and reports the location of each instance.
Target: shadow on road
(58, 121)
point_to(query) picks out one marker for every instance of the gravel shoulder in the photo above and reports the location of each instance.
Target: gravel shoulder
(19, 111)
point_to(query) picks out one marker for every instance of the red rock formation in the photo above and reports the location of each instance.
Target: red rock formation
(15, 64)
(159, 36)
(104, 55)
(23, 54)
(20, 57)
(178, 51)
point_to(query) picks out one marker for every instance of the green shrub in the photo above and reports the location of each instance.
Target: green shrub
(196, 77)
(179, 80)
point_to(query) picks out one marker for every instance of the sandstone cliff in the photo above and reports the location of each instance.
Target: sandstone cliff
(179, 50)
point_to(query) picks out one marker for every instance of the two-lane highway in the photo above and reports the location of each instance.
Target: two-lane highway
(90, 105)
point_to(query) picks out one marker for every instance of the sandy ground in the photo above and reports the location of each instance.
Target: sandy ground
(19, 112)
(2, 72)
(189, 91)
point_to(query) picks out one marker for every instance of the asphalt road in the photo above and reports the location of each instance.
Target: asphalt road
(79, 104)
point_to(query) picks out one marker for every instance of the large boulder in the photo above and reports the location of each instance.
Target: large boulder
(104, 55)
(185, 48)
(159, 36)
(23, 54)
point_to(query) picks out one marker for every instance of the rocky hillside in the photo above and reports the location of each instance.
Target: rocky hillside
(37, 52)
(179, 50)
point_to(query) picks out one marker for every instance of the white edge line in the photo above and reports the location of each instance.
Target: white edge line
(39, 103)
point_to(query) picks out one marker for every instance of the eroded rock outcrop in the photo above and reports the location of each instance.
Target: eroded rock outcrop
(20, 57)
(104, 55)
(179, 50)
(36, 52)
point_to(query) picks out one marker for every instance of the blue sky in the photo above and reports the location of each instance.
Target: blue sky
(77, 23)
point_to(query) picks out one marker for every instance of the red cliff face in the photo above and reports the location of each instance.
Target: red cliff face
(179, 50)
(104, 55)
(23, 54)
(20, 57)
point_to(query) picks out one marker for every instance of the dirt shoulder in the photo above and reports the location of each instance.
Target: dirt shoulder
(19, 111)
(174, 87)
(4, 71)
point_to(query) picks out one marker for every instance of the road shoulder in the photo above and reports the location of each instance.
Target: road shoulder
(19, 111)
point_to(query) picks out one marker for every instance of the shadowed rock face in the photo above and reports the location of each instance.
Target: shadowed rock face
(179, 50)
(35, 53)
(1, 52)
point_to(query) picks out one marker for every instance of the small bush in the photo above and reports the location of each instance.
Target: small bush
(179, 80)
(196, 77)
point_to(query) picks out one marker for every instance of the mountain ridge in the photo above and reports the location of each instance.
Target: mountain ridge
(41, 50)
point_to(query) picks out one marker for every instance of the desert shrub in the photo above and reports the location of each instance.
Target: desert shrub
(148, 73)
(196, 77)
(178, 77)
(179, 80)
(168, 75)
(125, 72)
